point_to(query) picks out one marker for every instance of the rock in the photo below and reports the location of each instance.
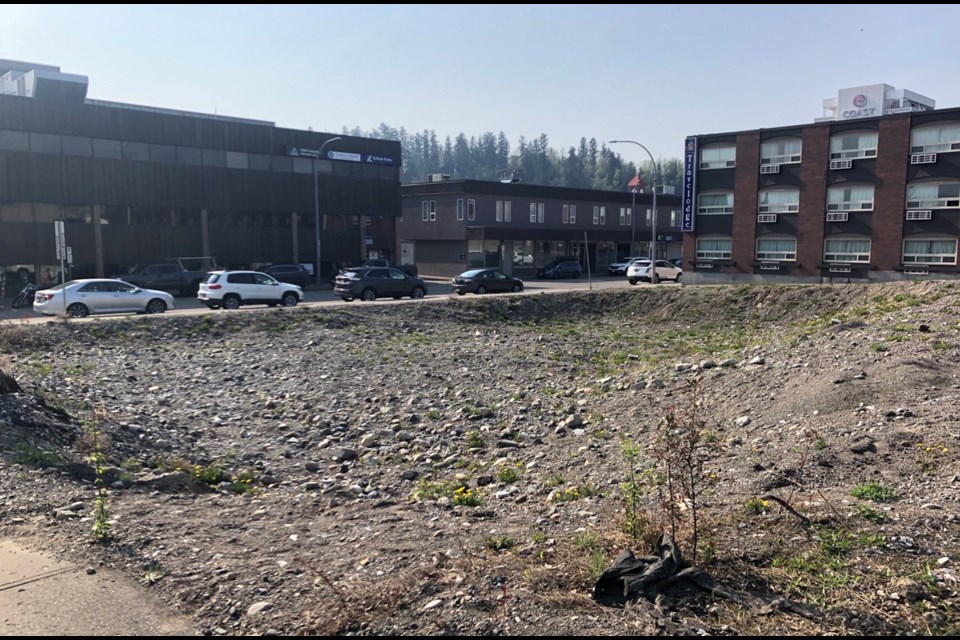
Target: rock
(756, 360)
(728, 362)
(483, 481)
(312, 466)
(343, 453)
(91, 571)
(66, 515)
(863, 444)
(369, 440)
(433, 604)
(682, 366)
(708, 364)
(257, 607)
(742, 421)
(409, 474)
(508, 444)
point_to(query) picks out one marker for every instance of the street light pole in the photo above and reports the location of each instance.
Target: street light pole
(316, 202)
(654, 278)
(633, 220)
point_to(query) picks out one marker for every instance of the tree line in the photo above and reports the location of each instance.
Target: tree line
(489, 156)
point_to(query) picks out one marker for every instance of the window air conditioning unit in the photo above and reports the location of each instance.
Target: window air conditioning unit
(769, 168)
(839, 269)
(840, 216)
(770, 266)
(766, 217)
(918, 270)
(437, 177)
(919, 214)
(923, 158)
(841, 164)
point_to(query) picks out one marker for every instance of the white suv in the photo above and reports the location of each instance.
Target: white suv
(230, 289)
(640, 270)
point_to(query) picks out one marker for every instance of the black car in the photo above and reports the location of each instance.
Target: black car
(481, 281)
(569, 268)
(290, 273)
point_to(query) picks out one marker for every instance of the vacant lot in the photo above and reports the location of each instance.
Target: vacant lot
(471, 466)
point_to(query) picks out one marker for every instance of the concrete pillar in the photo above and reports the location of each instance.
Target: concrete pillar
(98, 240)
(204, 232)
(294, 232)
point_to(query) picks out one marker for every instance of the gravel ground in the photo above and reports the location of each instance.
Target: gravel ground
(459, 466)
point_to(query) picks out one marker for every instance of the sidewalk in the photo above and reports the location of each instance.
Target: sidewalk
(42, 596)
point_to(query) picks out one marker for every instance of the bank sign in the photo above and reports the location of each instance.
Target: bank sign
(689, 183)
(860, 102)
(302, 152)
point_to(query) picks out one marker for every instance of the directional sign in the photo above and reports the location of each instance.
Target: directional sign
(60, 239)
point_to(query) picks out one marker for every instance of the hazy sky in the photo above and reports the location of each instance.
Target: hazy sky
(651, 73)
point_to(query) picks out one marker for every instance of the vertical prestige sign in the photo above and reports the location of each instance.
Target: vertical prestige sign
(689, 183)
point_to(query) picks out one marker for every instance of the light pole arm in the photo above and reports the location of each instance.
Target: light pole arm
(654, 279)
(316, 201)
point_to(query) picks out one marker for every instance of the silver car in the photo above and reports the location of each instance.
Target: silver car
(80, 298)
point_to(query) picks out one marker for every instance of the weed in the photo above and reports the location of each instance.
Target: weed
(929, 458)
(878, 346)
(434, 414)
(152, 575)
(242, 482)
(586, 541)
(834, 541)
(475, 440)
(212, 474)
(555, 480)
(101, 508)
(466, 497)
(941, 345)
(568, 494)
(756, 506)
(508, 474)
(131, 464)
(34, 456)
(537, 537)
(867, 512)
(500, 543)
(873, 491)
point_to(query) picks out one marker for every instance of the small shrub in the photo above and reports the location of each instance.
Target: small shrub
(242, 482)
(555, 480)
(873, 491)
(566, 495)
(212, 474)
(537, 537)
(878, 346)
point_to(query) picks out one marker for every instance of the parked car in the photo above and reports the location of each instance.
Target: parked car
(370, 283)
(677, 262)
(231, 289)
(481, 281)
(80, 298)
(178, 274)
(639, 271)
(289, 273)
(620, 268)
(561, 269)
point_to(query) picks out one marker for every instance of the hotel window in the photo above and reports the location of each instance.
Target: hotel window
(779, 201)
(499, 214)
(533, 212)
(782, 151)
(714, 248)
(507, 211)
(718, 156)
(603, 215)
(540, 212)
(929, 251)
(460, 209)
(425, 210)
(712, 204)
(853, 145)
(850, 198)
(933, 195)
(674, 218)
(846, 250)
(569, 214)
(938, 139)
(471, 209)
(596, 215)
(776, 249)
(566, 214)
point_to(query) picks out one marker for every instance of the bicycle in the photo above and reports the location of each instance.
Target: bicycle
(25, 297)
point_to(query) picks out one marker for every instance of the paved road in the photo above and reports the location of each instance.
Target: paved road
(436, 289)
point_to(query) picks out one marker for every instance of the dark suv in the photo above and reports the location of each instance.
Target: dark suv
(370, 283)
(292, 273)
(562, 268)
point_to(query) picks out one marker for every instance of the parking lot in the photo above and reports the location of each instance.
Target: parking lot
(437, 288)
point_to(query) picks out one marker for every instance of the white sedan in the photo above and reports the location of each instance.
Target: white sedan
(639, 270)
(80, 298)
